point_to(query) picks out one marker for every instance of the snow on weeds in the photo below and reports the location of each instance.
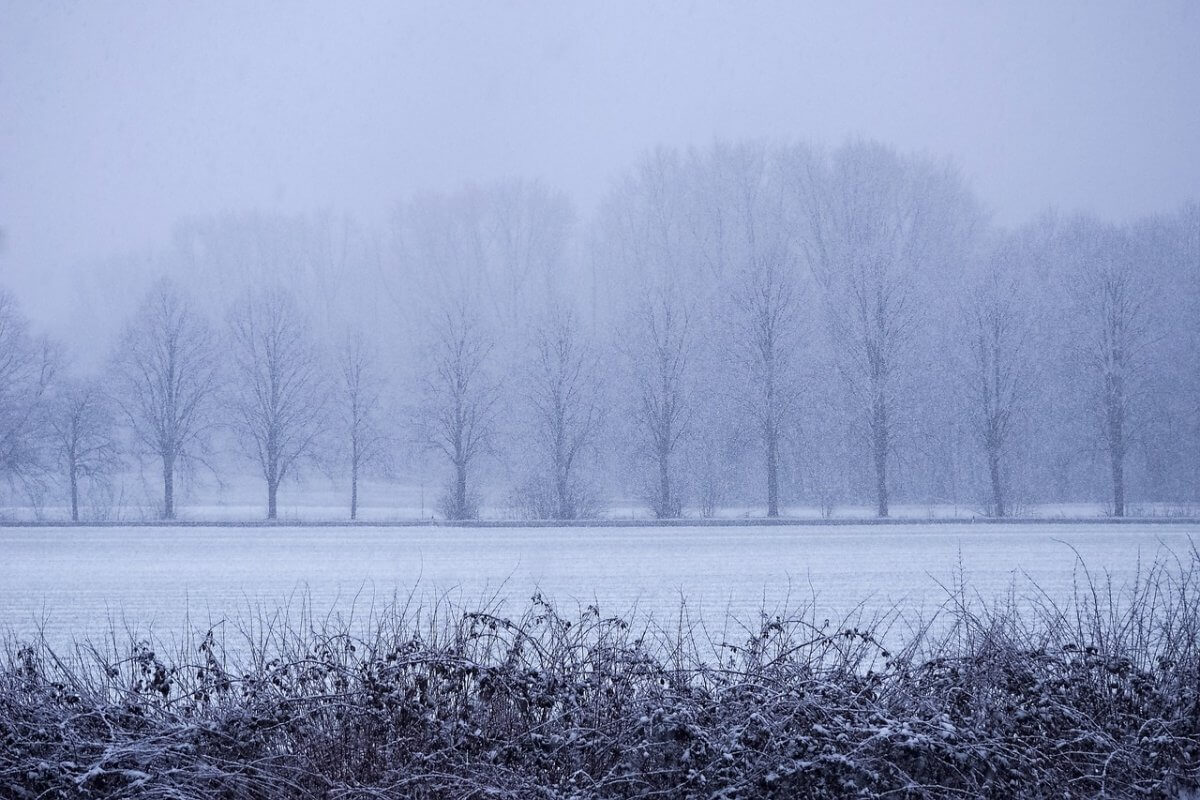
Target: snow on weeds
(1095, 696)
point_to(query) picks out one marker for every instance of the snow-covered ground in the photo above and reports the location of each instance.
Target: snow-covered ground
(330, 507)
(316, 499)
(75, 581)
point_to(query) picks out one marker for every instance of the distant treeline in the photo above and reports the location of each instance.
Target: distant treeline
(743, 325)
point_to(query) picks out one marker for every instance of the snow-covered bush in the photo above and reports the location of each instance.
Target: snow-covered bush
(1100, 697)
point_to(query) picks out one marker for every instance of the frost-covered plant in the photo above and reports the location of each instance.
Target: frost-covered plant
(456, 505)
(536, 499)
(1096, 697)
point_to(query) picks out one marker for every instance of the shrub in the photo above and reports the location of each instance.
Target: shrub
(1097, 696)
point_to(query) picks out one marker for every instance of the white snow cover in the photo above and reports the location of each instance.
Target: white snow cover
(76, 581)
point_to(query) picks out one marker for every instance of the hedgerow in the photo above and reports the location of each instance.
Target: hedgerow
(1095, 697)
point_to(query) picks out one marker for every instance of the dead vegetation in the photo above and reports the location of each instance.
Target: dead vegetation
(1023, 698)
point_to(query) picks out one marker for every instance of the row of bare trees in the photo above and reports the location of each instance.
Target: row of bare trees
(744, 325)
(853, 310)
(176, 383)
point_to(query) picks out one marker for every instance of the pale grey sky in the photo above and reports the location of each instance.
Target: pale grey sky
(118, 119)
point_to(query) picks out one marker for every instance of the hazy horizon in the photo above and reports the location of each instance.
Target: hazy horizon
(119, 120)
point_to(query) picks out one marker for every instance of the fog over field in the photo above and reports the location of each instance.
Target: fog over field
(562, 261)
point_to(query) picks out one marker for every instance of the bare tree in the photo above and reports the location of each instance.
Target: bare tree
(167, 372)
(996, 325)
(659, 351)
(1189, 223)
(28, 367)
(737, 216)
(279, 391)
(361, 392)
(460, 402)
(503, 244)
(1113, 305)
(649, 273)
(84, 428)
(563, 391)
(878, 228)
(710, 467)
(766, 343)
(873, 316)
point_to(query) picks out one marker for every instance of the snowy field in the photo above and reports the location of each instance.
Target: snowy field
(389, 504)
(240, 498)
(79, 581)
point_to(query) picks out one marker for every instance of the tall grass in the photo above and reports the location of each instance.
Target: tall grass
(1021, 696)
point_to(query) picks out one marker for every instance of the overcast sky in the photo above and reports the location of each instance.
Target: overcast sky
(118, 119)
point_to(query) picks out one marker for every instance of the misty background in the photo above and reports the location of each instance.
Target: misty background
(879, 252)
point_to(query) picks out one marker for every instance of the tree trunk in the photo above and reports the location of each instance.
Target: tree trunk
(997, 487)
(1118, 479)
(272, 491)
(354, 490)
(665, 507)
(460, 491)
(772, 474)
(565, 511)
(562, 491)
(168, 488)
(1116, 444)
(74, 493)
(879, 442)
